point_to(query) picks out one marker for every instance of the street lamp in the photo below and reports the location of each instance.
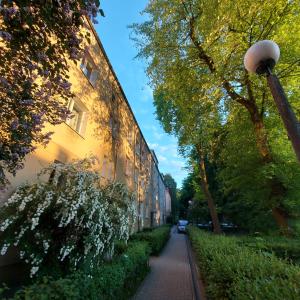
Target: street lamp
(261, 59)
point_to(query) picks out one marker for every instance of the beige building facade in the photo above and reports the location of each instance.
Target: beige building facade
(103, 125)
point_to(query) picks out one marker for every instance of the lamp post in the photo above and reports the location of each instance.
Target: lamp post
(261, 59)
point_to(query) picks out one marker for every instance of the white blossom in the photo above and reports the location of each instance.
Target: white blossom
(4, 249)
(102, 213)
(33, 270)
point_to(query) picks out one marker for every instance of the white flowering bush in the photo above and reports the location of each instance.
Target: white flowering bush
(70, 221)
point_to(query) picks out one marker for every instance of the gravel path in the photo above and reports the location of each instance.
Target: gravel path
(170, 277)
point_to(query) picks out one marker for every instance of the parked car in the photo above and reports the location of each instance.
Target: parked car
(181, 226)
(228, 226)
(206, 226)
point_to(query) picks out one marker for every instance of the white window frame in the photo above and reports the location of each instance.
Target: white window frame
(93, 75)
(80, 126)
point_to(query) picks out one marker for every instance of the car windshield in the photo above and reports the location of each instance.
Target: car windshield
(182, 222)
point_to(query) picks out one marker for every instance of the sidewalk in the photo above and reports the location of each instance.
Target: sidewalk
(170, 277)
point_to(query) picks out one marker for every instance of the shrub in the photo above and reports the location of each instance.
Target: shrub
(285, 248)
(156, 238)
(115, 280)
(233, 271)
(70, 222)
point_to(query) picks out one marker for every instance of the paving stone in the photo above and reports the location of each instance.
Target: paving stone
(170, 277)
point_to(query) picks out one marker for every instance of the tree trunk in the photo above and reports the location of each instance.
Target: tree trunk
(261, 139)
(207, 194)
(277, 189)
(281, 221)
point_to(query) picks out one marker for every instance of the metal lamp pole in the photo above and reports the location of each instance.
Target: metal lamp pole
(261, 59)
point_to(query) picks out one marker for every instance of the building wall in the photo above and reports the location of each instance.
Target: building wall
(103, 126)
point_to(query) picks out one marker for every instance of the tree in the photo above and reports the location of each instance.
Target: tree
(37, 41)
(241, 178)
(177, 112)
(211, 39)
(187, 193)
(197, 209)
(172, 186)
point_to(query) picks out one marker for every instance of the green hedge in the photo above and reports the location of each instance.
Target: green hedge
(285, 248)
(156, 238)
(233, 271)
(116, 280)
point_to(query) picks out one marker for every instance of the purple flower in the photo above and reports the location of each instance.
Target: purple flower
(27, 102)
(15, 156)
(31, 66)
(48, 85)
(25, 150)
(14, 124)
(42, 56)
(6, 36)
(9, 13)
(75, 53)
(36, 118)
(65, 85)
(3, 81)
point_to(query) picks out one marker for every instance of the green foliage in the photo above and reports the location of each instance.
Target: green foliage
(231, 270)
(171, 184)
(285, 248)
(115, 280)
(156, 238)
(190, 191)
(244, 181)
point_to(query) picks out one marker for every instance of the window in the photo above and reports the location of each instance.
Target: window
(88, 68)
(74, 121)
(78, 119)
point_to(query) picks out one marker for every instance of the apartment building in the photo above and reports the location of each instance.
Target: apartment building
(103, 125)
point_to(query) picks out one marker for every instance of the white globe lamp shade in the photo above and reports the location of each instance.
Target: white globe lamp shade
(260, 56)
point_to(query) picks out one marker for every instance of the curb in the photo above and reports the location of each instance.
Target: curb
(198, 285)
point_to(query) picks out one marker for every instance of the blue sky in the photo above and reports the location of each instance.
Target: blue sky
(114, 34)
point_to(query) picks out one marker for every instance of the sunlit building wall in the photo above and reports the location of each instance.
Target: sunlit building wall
(103, 125)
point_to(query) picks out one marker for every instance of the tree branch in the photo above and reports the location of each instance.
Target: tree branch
(249, 87)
